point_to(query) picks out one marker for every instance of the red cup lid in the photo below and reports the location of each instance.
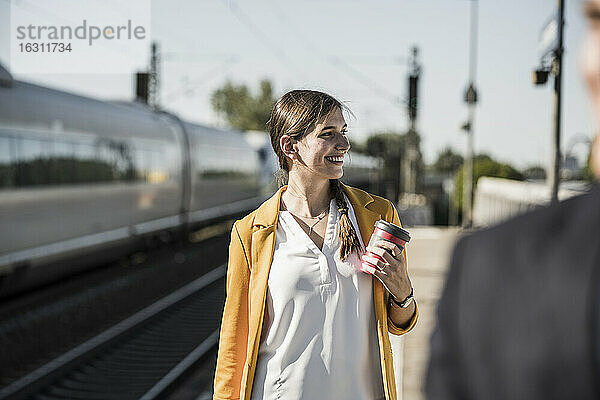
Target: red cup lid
(392, 229)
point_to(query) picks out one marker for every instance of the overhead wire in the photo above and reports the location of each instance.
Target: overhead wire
(279, 53)
(340, 64)
(191, 86)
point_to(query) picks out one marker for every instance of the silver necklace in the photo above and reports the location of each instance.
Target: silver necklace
(319, 218)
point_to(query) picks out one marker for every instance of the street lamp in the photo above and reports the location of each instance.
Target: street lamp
(470, 98)
(540, 76)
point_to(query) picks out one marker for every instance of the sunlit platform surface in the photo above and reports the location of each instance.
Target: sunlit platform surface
(428, 255)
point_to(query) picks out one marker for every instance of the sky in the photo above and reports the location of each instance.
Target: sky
(358, 52)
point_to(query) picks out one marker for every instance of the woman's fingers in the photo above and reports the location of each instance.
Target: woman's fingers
(392, 248)
(383, 254)
(390, 271)
(379, 262)
(395, 280)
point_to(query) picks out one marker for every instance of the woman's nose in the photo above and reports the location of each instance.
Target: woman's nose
(343, 144)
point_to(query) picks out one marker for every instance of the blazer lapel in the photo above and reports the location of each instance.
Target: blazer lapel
(263, 232)
(262, 249)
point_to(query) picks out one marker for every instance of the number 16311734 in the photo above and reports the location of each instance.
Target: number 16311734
(49, 47)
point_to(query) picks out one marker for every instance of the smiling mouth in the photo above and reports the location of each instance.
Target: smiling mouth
(338, 160)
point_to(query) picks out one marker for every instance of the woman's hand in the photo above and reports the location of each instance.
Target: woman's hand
(392, 273)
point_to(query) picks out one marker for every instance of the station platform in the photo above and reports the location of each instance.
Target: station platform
(428, 255)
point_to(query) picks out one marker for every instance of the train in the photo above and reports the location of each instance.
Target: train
(85, 181)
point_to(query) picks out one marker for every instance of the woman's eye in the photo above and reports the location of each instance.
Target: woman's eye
(329, 133)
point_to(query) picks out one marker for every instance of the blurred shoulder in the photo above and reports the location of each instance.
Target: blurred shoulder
(244, 225)
(264, 216)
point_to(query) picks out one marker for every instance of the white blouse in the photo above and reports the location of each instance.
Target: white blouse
(319, 340)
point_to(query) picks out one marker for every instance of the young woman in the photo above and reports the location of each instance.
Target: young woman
(301, 321)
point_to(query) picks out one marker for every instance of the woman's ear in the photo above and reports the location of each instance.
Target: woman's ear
(286, 142)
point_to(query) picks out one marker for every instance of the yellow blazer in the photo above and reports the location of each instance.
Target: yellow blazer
(250, 256)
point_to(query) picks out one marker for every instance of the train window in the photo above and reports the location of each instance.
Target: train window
(7, 155)
(145, 163)
(156, 162)
(216, 162)
(29, 149)
(103, 153)
(41, 159)
(35, 158)
(30, 166)
(117, 157)
(85, 151)
(61, 149)
(4, 150)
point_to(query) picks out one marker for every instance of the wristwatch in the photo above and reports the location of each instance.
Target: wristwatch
(406, 302)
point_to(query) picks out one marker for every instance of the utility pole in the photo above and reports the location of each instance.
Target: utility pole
(557, 71)
(552, 43)
(413, 88)
(410, 158)
(141, 87)
(471, 100)
(154, 78)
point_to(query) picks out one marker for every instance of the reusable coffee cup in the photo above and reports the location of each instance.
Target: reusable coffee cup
(386, 231)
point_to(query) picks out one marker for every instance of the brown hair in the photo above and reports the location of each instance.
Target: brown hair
(295, 114)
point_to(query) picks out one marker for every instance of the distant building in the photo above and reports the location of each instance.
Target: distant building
(570, 168)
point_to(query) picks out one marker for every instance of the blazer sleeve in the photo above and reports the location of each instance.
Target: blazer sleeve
(393, 217)
(233, 339)
(445, 373)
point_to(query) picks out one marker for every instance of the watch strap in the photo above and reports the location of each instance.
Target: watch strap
(406, 302)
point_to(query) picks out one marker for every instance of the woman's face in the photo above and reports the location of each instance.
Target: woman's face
(321, 152)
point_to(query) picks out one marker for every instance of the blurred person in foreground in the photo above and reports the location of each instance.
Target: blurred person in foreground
(519, 316)
(301, 321)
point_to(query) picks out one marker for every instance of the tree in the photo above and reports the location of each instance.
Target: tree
(448, 162)
(535, 172)
(586, 171)
(357, 147)
(241, 109)
(389, 146)
(483, 165)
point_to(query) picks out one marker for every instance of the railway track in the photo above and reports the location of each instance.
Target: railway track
(141, 357)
